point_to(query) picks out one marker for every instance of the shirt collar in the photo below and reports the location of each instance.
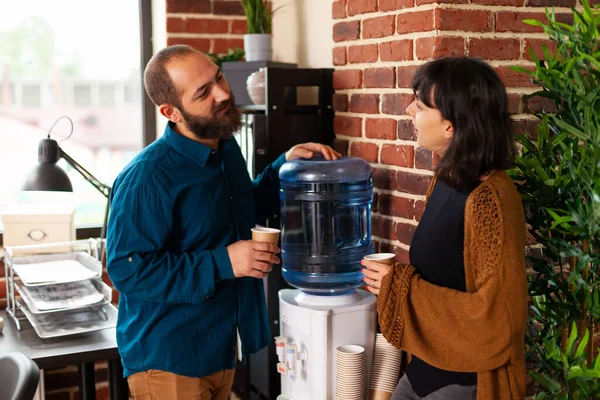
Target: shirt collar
(188, 147)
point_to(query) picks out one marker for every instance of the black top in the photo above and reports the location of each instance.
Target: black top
(436, 252)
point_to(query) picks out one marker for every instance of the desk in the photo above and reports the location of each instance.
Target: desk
(82, 350)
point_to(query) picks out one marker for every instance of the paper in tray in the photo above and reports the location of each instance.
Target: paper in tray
(61, 296)
(56, 268)
(72, 322)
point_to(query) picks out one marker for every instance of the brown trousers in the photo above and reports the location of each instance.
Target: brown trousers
(160, 385)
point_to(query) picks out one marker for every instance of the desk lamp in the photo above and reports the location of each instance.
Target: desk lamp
(47, 176)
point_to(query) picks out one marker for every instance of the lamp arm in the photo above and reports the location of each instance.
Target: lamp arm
(102, 188)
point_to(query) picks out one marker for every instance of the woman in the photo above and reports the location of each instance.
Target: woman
(460, 307)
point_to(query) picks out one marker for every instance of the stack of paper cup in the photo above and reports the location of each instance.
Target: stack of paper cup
(387, 361)
(350, 372)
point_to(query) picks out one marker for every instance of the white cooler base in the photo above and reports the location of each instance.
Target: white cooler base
(317, 325)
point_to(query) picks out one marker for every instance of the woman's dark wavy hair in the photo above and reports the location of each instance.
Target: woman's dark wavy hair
(470, 95)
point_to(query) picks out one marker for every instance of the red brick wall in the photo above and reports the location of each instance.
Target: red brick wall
(209, 25)
(378, 46)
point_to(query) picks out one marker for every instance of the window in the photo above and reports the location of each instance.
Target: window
(107, 94)
(80, 59)
(82, 94)
(31, 95)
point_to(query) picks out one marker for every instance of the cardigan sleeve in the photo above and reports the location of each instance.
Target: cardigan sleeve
(450, 329)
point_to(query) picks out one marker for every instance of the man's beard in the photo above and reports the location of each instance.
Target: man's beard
(217, 126)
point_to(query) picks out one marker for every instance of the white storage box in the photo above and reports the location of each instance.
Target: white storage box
(28, 224)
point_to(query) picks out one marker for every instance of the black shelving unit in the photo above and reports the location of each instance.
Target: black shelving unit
(237, 73)
(268, 131)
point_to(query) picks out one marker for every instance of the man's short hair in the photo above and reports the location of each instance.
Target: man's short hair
(157, 81)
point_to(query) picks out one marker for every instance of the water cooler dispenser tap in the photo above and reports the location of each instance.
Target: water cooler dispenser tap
(280, 344)
(290, 354)
(290, 358)
(295, 360)
(282, 368)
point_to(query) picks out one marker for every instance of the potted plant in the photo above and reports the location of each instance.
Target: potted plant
(558, 175)
(257, 43)
(231, 56)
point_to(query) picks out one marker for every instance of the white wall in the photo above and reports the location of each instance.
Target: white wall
(159, 24)
(302, 33)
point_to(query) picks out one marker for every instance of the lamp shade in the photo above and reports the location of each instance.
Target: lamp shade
(47, 176)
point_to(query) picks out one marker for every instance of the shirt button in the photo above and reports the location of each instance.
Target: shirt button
(231, 198)
(130, 259)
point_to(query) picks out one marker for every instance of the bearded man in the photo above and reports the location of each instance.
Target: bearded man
(178, 248)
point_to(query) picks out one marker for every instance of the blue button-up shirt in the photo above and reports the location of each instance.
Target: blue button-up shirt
(174, 210)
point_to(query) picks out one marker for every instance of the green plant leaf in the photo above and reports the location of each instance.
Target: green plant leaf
(566, 27)
(566, 126)
(259, 16)
(546, 381)
(592, 60)
(582, 344)
(596, 366)
(534, 22)
(558, 220)
(572, 338)
(587, 11)
(523, 70)
(578, 18)
(574, 372)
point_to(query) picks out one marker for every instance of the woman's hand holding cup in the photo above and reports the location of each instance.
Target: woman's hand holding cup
(377, 266)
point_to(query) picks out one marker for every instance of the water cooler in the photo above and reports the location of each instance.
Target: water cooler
(326, 231)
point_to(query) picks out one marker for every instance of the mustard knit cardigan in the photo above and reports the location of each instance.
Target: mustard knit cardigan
(481, 330)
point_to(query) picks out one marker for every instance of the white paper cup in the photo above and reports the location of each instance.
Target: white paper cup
(384, 258)
(350, 349)
(262, 234)
(375, 394)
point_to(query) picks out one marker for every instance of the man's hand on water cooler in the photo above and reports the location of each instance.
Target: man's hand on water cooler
(308, 150)
(252, 258)
(374, 272)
